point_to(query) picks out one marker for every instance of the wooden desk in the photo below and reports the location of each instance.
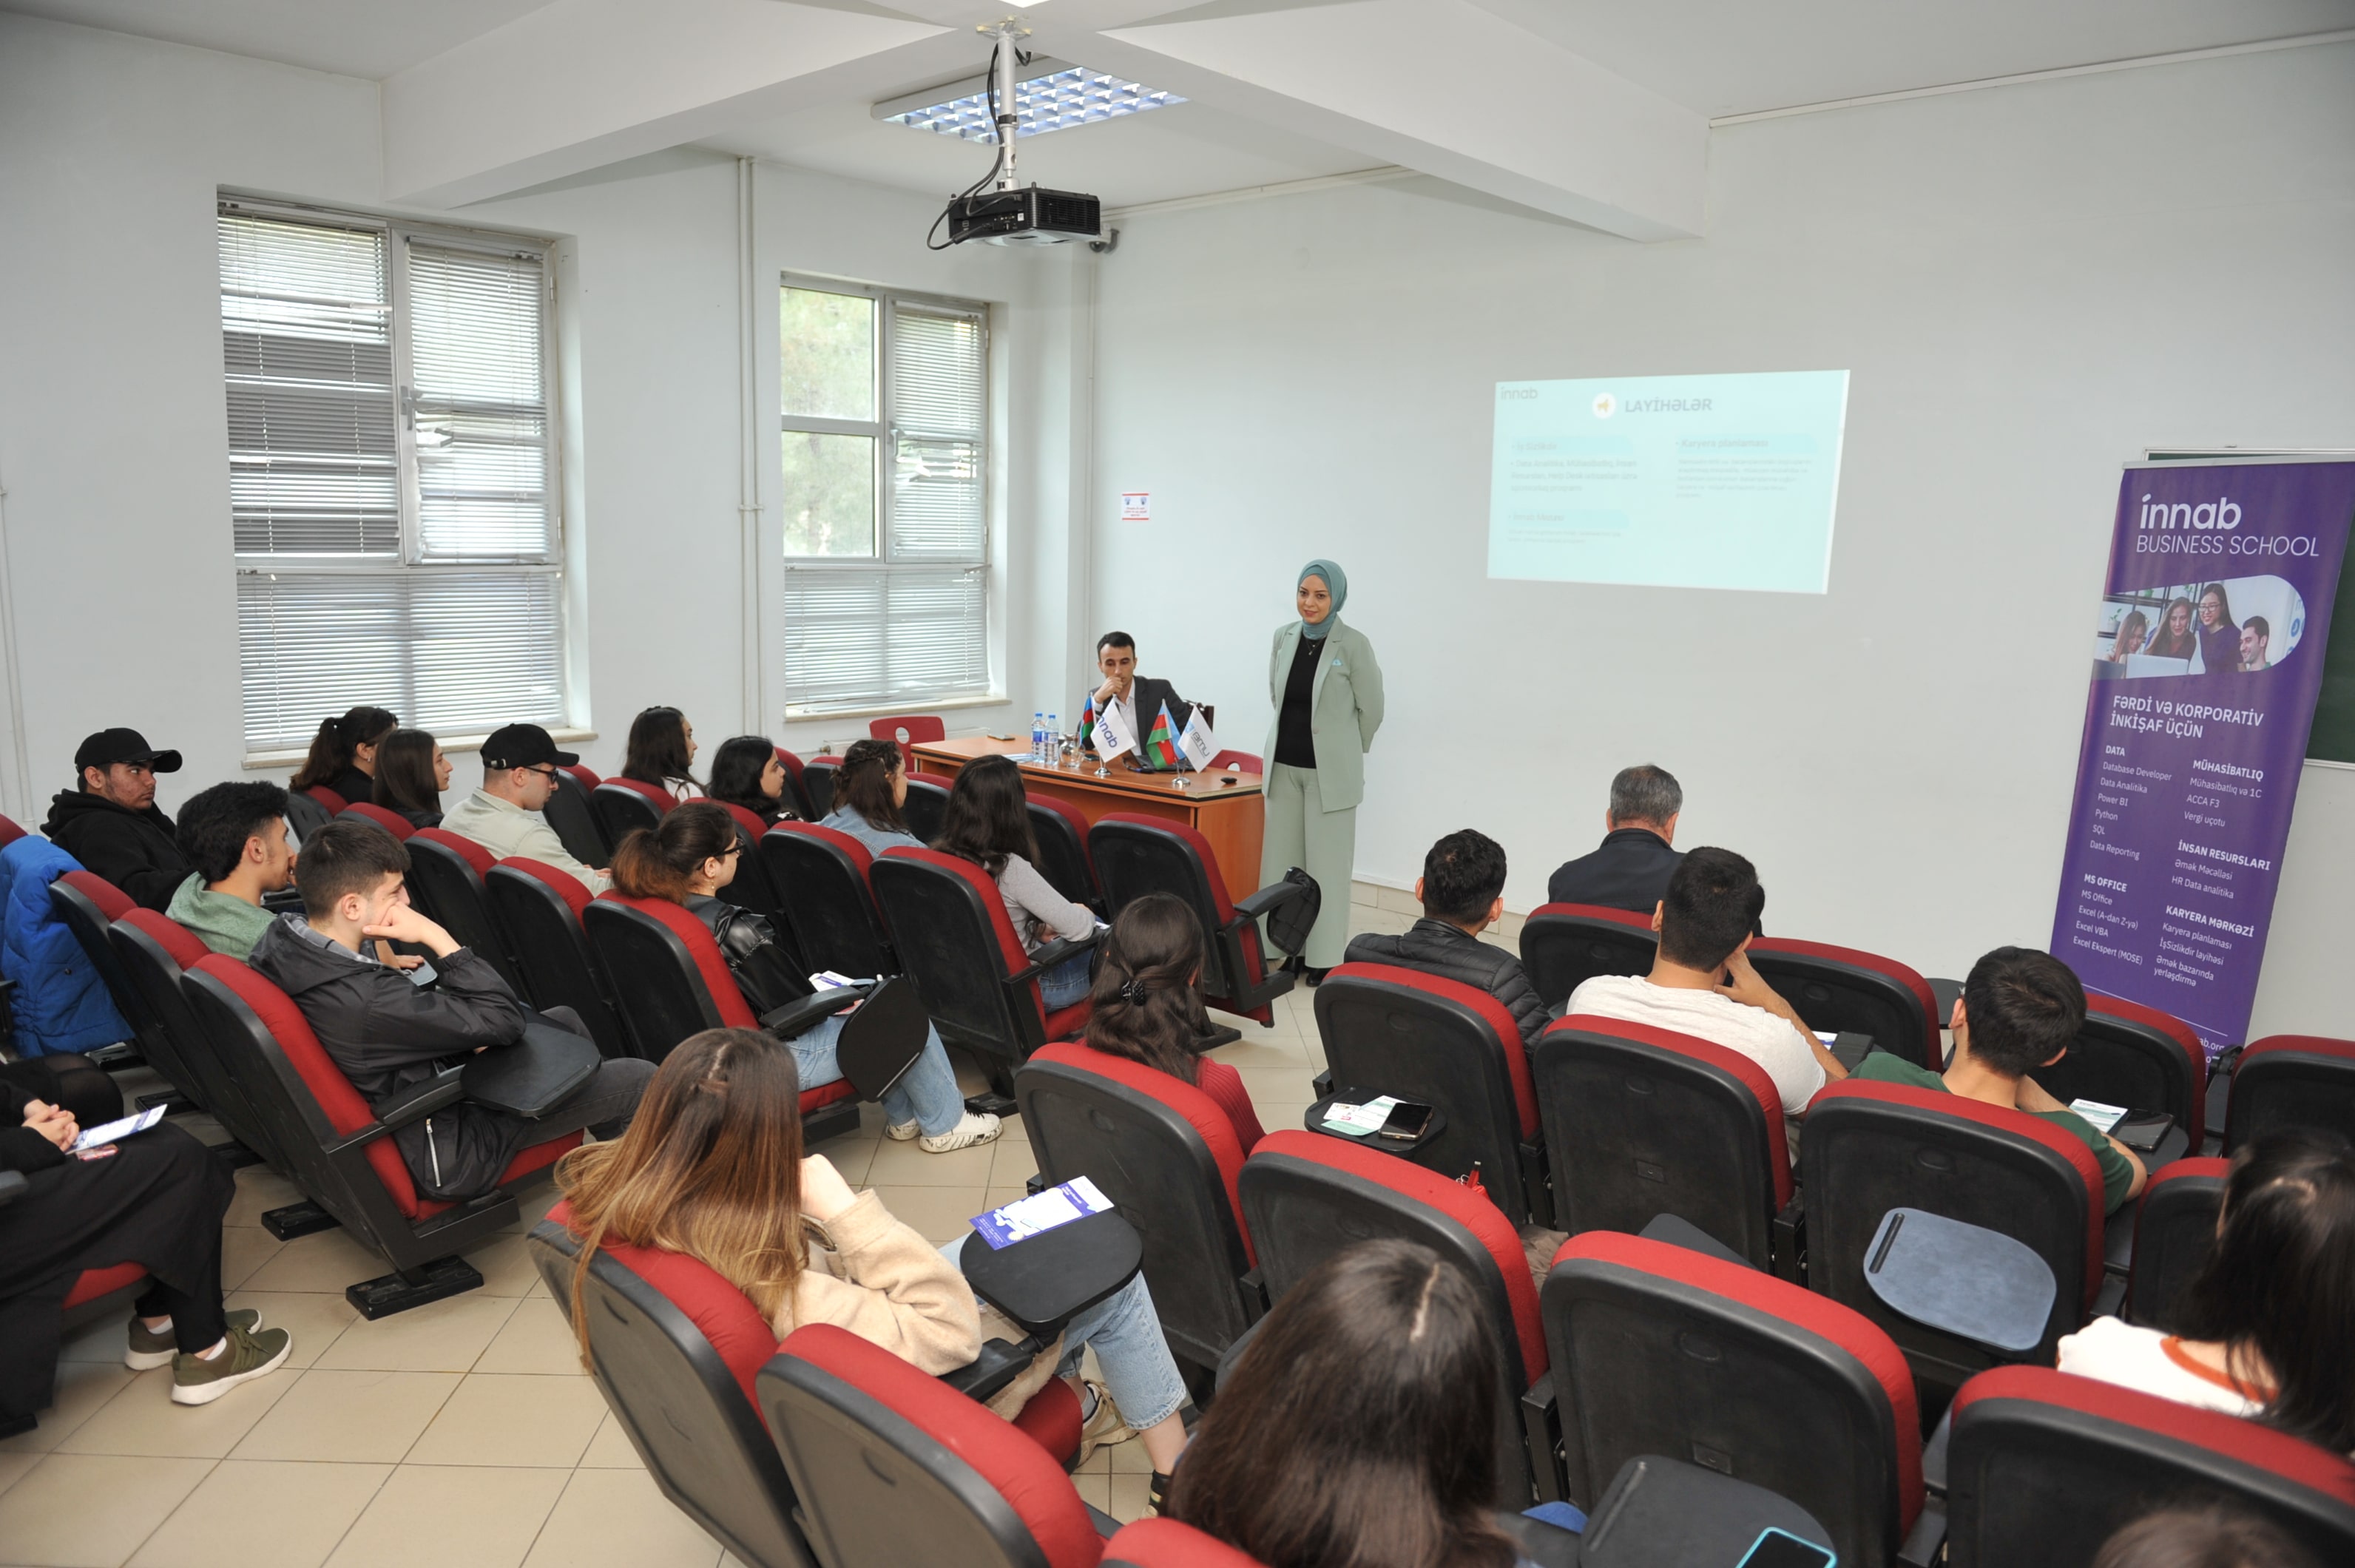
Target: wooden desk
(1233, 817)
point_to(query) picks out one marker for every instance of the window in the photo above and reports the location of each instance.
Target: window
(886, 520)
(392, 472)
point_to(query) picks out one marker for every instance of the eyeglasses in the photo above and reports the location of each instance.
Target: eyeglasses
(548, 772)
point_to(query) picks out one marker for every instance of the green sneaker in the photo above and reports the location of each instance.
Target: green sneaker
(195, 1380)
(147, 1351)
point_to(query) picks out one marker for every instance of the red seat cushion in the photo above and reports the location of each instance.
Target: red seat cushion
(711, 970)
(1627, 918)
(392, 822)
(96, 1282)
(748, 820)
(473, 854)
(2195, 1055)
(1450, 1198)
(1051, 1420)
(1512, 1056)
(2304, 1044)
(1201, 1111)
(1753, 1076)
(1022, 1473)
(586, 777)
(328, 798)
(1935, 1045)
(112, 902)
(2020, 1123)
(2235, 1436)
(1843, 1327)
(563, 884)
(9, 832)
(185, 947)
(1166, 1543)
(345, 1111)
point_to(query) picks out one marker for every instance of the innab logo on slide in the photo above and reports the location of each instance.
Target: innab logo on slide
(2218, 513)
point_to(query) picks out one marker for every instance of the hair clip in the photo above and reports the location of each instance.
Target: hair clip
(1134, 990)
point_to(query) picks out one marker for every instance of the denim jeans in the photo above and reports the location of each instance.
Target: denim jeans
(1066, 983)
(926, 1093)
(1126, 1333)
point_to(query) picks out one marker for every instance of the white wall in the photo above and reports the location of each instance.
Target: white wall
(2030, 285)
(114, 448)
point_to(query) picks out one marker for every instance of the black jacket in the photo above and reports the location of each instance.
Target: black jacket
(132, 849)
(1630, 871)
(1438, 948)
(764, 975)
(22, 1148)
(387, 1034)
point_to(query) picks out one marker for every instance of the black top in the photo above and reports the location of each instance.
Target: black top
(1295, 744)
(1630, 871)
(355, 786)
(135, 850)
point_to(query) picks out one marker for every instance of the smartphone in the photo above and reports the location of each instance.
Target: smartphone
(1780, 1549)
(1407, 1122)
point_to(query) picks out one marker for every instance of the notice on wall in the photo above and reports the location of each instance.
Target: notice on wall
(1135, 507)
(2207, 657)
(1669, 481)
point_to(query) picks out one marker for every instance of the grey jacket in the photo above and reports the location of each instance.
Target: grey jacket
(1344, 709)
(1438, 948)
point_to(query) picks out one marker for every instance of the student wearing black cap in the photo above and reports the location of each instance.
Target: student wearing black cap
(519, 765)
(111, 823)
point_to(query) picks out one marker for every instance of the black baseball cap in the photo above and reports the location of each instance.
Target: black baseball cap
(515, 746)
(109, 746)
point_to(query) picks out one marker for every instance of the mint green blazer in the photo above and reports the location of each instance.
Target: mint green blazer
(1344, 709)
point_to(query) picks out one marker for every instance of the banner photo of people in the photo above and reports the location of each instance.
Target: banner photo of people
(2207, 662)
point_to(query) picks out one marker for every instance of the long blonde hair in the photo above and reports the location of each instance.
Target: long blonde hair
(710, 1167)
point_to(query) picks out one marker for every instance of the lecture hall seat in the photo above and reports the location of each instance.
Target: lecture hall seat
(1136, 856)
(1563, 946)
(907, 732)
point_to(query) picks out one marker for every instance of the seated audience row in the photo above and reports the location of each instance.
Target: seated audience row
(519, 764)
(871, 786)
(343, 755)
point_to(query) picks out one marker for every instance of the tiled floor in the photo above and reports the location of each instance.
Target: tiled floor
(462, 1434)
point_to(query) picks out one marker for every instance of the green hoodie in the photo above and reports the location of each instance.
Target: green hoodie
(225, 923)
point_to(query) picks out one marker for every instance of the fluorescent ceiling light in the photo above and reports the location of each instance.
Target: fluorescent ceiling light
(1054, 95)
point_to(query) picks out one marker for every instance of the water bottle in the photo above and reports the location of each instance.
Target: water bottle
(1051, 755)
(1038, 736)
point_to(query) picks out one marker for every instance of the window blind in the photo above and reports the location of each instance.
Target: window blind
(420, 575)
(914, 624)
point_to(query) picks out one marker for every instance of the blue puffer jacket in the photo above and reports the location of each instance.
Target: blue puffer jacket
(60, 1002)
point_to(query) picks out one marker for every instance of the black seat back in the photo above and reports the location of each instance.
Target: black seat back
(817, 783)
(1400, 1031)
(656, 982)
(2175, 1230)
(540, 908)
(928, 800)
(954, 937)
(820, 876)
(76, 898)
(1134, 858)
(1645, 1122)
(569, 812)
(444, 881)
(1063, 856)
(1847, 990)
(2136, 1057)
(1565, 946)
(621, 810)
(676, 1397)
(152, 950)
(1167, 1157)
(2292, 1080)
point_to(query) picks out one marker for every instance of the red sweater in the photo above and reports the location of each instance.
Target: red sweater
(1224, 1085)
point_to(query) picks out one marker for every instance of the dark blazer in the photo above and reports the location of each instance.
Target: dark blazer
(1449, 952)
(1630, 871)
(1146, 696)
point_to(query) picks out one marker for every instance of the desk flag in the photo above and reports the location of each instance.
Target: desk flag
(1088, 722)
(1112, 733)
(1161, 746)
(1197, 743)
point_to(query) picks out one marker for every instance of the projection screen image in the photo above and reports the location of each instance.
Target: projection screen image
(1669, 481)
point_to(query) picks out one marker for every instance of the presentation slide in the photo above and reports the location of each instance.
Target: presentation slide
(1669, 481)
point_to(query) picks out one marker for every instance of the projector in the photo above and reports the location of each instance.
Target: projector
(1027, 216)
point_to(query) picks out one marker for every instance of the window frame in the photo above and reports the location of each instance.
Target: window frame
(884, 430)
(397, 234)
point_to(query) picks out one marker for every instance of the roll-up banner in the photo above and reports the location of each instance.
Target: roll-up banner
(2207, 658)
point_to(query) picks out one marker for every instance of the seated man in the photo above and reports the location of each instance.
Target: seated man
(2020, 1010)
(1703, 985)
(109, 821)
(1461, 889)
(519, 765)
(236, 834)
(388, 1034)
(1141, 696)
(1631, 869)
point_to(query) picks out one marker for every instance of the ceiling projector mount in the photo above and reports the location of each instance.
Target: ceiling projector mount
(1010, 213)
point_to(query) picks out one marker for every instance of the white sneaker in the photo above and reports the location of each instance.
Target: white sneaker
(971, 1129)
(902, 1132)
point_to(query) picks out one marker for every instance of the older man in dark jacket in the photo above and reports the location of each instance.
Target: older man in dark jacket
(1461, 889)
(109, 821)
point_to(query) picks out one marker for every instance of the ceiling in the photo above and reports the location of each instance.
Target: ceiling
(1257, 115)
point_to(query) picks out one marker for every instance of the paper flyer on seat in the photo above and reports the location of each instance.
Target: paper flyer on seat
(2207, 660)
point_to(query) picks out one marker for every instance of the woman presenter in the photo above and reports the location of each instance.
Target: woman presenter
(1327, 692)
